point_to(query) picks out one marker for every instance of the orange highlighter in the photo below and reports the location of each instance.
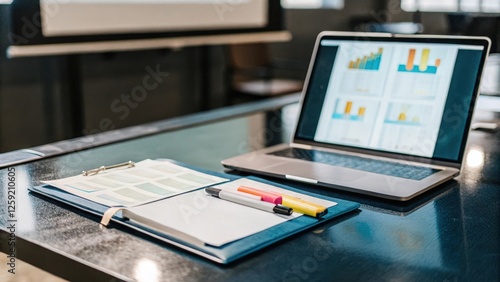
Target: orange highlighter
(266, 196)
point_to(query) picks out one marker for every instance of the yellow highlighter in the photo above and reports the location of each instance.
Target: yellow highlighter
(303, 206)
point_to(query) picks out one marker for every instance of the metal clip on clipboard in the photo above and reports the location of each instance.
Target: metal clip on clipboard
(95, 171)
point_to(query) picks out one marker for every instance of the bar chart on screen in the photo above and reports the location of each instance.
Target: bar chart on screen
(405, 128)
(352, 121)
(407, 114)
(346, 109)
(367, 62)
(423, 65)
(419, 69)
(363, 70)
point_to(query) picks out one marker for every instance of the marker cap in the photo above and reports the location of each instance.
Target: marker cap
(279, 209)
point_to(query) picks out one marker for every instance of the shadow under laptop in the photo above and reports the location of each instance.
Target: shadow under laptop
(416, 233)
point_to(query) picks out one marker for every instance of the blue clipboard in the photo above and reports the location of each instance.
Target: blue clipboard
(228, 252)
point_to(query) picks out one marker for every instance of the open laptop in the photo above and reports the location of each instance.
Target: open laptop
(381, 114)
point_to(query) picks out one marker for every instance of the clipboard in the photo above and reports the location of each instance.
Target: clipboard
(224, 254)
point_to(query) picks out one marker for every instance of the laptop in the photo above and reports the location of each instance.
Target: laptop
(381, 114)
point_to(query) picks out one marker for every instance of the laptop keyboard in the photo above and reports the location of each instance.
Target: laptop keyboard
(359, 163)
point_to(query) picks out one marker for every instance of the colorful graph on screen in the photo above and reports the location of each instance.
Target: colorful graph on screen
(407, 114)
(423, 66)
(367, 62)
(349, 110)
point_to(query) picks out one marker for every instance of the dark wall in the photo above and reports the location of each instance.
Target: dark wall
(35, 92)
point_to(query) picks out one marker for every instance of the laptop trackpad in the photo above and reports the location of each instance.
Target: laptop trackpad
(317, 171)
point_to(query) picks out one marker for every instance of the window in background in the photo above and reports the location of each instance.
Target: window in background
(312, 4)
(482, 6)
(5, 2)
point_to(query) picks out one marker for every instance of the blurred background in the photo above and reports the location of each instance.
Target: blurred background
(36, 92)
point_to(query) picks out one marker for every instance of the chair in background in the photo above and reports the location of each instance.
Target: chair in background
(251, 72)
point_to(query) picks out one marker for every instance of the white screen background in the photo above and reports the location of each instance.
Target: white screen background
(97, 17)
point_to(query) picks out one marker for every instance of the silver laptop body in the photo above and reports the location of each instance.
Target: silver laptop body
(381, 114)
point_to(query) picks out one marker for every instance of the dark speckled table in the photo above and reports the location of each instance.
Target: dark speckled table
(451, 233)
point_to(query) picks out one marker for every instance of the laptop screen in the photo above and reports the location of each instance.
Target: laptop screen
(399, 95)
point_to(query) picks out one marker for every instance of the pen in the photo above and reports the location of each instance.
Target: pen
(249, 202)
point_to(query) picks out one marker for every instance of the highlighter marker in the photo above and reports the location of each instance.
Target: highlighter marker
(244, 200)
(304, 207)
(266, 196)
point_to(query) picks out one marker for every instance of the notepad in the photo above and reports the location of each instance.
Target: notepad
(202, 219)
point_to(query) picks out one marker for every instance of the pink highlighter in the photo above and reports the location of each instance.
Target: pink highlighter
(266, 196)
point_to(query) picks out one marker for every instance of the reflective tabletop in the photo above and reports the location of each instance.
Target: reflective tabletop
(450, 233)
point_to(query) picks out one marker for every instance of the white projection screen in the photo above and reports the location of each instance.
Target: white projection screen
(93, 17)
(53, 27)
